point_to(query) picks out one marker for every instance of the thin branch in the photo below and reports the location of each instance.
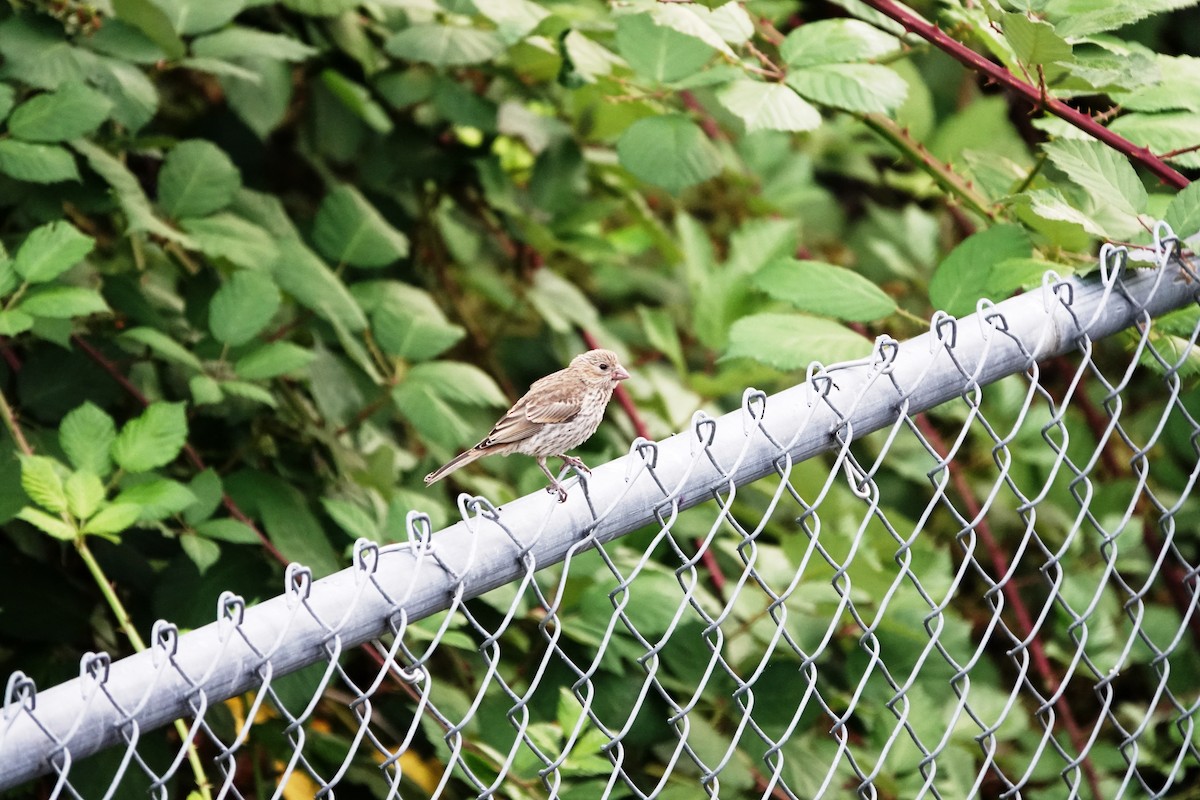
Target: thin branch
(14, 427)
(188, 450)
(942, 173)
(931, 33)
(1180, 151)
(707, 123)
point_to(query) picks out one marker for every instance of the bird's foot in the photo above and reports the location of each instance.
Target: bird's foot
(576, 464)
(557, 488)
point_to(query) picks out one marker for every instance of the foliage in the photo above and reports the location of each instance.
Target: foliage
(272, 262)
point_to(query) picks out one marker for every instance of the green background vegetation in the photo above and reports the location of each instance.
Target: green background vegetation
(267, 264)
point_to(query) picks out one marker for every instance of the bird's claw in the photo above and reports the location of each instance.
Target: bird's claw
(557, 488)
(576, 464)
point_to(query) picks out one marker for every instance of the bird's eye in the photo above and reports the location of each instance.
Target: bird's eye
(604, 366)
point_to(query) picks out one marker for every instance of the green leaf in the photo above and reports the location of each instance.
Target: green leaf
(121, 40)
(133, 95)
(658, 52)
(9, 279)
(352, 518)
(249, 391)
(201, 552)
(37, 163)
(692, 21)
(261, 103)
(668, 151)
(758, 242)
(50, 250)
(560, 302)
(153, 439)
(824, 289)
(357, 98)
(41, 481)
(793, 341)
(197, 178)
(864, 88)
(112, 519)
(1011, 274)
(287, 517)
(445, 45)
(1163, 133)
(660, 332)
(1074, 19)
(214, 66)
(242, 307)
(62, 302)
(72, 111)
(965, 275)
(731, 22)
(133, 201)
(13, 321)
(1052, 205)
(836, 41)
(1104, 173)
(86, 434)
(321, 8)
(190, 17)
(152, 21)
(158, 498)
(84, 493)
(349, 230)
(163, 346)
(235, 42)
(514, 19)
(208, 491)
(36, 52)
(8, 98)
(406, 321)
(1034, 41)
(1176, 84)
(205, 390)
(584, 60)
(47, 523)
(1183, 214)
(273, 359)
(768, 107)
(226, 235)
(228, 530)
(430, 392)
(457, 382)
(301, 273)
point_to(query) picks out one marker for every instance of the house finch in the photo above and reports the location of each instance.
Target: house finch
(559, 412)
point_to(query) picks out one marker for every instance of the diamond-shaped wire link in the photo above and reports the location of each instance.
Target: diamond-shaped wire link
(759, 606)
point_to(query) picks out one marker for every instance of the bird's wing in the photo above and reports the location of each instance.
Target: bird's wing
(546, 402)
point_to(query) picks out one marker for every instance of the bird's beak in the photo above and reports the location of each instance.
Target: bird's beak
(619, 374)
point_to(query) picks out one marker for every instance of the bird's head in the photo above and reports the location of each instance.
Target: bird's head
(597, 366)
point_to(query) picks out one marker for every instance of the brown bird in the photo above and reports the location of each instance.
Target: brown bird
(559, 412)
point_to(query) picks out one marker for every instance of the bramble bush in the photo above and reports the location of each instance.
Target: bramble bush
(266, 264)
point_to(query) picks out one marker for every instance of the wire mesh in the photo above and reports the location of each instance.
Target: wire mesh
(888, 581)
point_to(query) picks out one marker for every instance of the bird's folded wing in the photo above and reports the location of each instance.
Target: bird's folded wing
(531, 412)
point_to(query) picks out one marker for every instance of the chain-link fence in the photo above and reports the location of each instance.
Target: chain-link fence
(964, 566)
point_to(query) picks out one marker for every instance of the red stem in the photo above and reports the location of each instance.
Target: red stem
(188, 450)
(1176, 578)
(1036, 96)
(1012, 594)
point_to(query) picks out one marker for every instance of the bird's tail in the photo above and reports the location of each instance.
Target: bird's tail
(460, 460)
